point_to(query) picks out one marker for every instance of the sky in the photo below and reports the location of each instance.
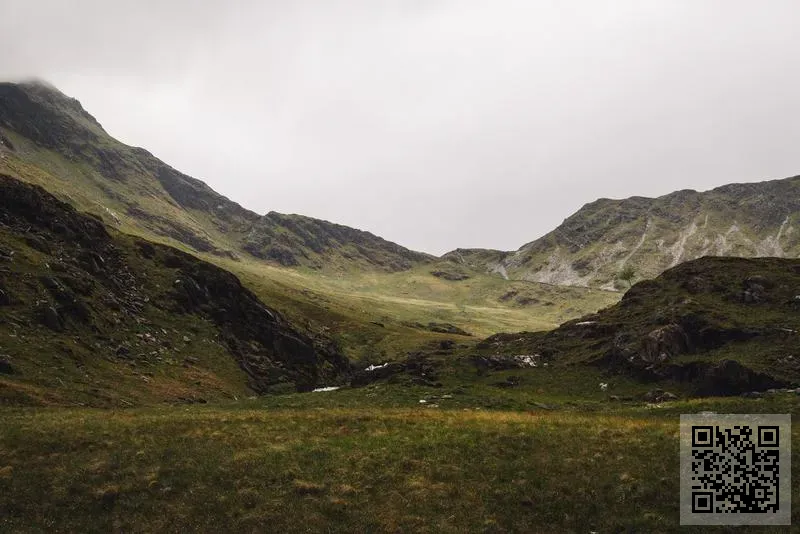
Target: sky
(436, 124)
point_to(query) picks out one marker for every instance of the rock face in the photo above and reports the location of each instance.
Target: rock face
(127, 185)
(453, 275)
(595, 244)
(725, 325)
(297, 240)
(93, 283)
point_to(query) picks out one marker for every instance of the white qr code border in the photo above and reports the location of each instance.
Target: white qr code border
(693, 487)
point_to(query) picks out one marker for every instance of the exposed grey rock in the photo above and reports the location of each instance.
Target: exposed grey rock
(659, 395)
(663, 343)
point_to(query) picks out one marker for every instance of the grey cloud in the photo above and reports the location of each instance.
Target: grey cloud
(435, 124)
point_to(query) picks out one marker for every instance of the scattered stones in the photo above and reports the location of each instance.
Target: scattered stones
(368, 375)
(755, 289)
(659, 396)
(499, 362)
(752, 394)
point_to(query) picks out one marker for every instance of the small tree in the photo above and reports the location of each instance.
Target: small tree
(627, 274)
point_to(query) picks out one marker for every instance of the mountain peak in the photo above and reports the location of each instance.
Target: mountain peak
(130, 187)
(47, 94)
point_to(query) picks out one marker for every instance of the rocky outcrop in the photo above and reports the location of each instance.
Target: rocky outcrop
(725, 325)
(81, 279)
(450, 274)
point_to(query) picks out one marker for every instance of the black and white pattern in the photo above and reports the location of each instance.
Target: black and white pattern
(735, 469)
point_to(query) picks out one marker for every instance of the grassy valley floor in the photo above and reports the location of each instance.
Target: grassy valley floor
(357, 460)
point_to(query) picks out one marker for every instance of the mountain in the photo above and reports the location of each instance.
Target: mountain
(294, 240)
(595, 244)
(48, 139)
(721, 326)
(94, 316)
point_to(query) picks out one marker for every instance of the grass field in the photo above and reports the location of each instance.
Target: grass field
(372, 314)
(260, 466)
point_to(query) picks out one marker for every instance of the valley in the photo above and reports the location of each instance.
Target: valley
(171, 361)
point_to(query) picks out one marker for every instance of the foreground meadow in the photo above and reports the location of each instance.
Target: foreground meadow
(291, 464)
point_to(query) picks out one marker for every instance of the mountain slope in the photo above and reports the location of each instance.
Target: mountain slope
(723, 325)
(94, 316)
(48, 139)
(298, 240)
(358, 288)
(592, 246)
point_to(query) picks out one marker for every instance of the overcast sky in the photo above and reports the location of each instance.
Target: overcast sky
(433, 123)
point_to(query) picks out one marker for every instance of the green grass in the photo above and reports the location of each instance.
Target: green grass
(79, 365)
(255, 466)
(348, 305)
(344, 300)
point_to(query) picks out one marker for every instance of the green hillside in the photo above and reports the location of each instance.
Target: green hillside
(330, 279)
(712, 326)
(92, 316)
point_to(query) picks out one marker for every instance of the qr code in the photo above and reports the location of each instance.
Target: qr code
(734, 469)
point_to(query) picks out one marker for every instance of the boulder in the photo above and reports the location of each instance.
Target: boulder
(729, 377)
(663, 343)
(362, 378)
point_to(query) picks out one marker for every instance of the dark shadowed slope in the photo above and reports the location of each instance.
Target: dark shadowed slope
(94, 316)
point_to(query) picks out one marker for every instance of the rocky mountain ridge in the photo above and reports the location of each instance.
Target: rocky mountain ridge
(48, 139)
(594, 246)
